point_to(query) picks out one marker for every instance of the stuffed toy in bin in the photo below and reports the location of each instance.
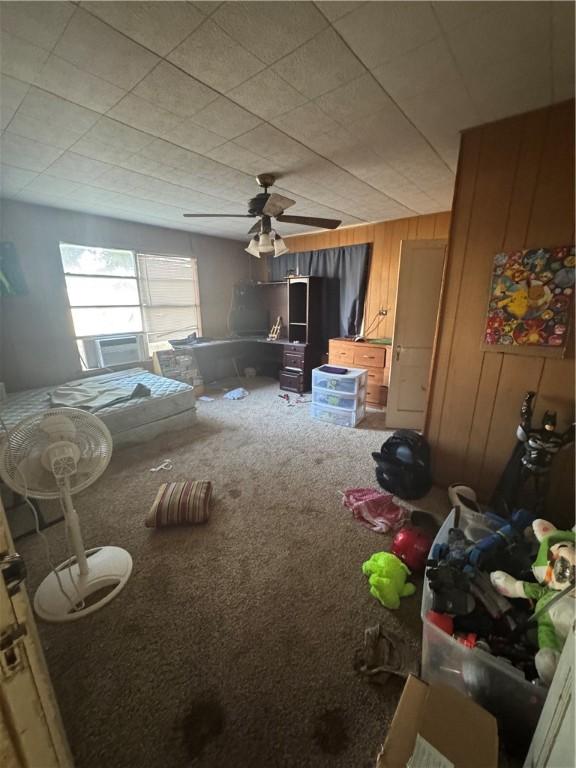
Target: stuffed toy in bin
(554, 568)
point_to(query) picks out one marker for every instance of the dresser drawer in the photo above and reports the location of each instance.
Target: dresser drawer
(299, 349)
(367, 356)
(340, 353)
(293, 359)
(294, 381)
(377, 376)
(376, 395)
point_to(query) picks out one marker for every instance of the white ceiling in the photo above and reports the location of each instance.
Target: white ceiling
(146, 110)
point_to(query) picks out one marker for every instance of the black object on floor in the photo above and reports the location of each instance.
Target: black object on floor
(403, 465)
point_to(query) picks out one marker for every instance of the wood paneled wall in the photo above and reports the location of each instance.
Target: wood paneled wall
(514, 190)
(385, 237)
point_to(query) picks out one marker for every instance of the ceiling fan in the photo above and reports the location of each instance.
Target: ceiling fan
(266, 206)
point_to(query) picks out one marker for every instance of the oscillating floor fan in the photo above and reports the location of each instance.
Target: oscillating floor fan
(54, 455)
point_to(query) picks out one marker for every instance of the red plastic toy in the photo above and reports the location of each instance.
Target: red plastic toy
(412, 546)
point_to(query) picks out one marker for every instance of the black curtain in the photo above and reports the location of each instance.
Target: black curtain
(346, 271)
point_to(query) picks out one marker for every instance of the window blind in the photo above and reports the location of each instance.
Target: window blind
(169, 296)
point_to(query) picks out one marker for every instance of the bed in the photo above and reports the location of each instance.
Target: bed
(169, 407)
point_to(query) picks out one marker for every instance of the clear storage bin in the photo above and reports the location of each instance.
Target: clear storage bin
(334, 399)
(339, 416)
(491, 681)
(351, 382)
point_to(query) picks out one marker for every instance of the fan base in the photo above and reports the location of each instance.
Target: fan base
(108, 571)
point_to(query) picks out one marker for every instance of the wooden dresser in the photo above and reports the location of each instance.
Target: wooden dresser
(375, 358)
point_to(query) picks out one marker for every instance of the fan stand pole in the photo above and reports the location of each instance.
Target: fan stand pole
(73, 523)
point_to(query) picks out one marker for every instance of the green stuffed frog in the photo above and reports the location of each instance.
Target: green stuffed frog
(554, 568)
(387, 578)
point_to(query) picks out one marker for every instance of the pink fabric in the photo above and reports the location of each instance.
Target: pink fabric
(375, 510)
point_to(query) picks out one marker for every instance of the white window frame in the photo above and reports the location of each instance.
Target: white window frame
(138, 278)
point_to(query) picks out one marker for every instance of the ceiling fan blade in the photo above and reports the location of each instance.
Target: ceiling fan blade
(276, 204)
(254, 228)
(217, 215)
(310, 221)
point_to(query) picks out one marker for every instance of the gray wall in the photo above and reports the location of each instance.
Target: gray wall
(36, 333)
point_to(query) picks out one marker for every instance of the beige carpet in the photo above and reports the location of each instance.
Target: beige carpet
(233, 643)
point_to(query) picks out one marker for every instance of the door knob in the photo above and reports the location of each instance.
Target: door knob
(398, 348)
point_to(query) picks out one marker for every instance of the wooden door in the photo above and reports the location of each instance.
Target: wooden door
(420, 273)
(31, 731)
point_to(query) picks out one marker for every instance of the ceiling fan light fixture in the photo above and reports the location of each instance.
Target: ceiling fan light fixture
(265, 244)
(253, 248)
(280, 247)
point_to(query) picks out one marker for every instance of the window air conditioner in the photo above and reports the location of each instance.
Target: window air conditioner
(117, 350)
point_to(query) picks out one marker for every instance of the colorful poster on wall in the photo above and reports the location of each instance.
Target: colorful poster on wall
(530, 299)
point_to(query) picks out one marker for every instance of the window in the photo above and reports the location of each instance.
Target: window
(126, 305)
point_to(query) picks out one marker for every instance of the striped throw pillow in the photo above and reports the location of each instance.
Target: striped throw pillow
(184, 503)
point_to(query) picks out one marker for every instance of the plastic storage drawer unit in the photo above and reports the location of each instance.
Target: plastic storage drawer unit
(340, 416)
(491, 682)
(351, 402)
(349, 383)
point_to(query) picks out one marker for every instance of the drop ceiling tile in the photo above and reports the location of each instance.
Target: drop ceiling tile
(14, 179)
(96, 149)
(495, 54)
(84, 195)
(158, 26)
(36, 22)
(51, 185)
(25, 153)
(386, 131)
(46, 106)
(225, 118)
(116, 134)
(174, 90)
(378, 32)
(45, 131)
(212, 57)
(46, 114)
(206, 7)
(194, 137)
(273, 30)
(516, 91)
(137, 112)
(235, 156)
(120, 180)
(267, 95)
(19, 58)
(75, 167)
(12, 92)
(335, 10)
(175, 156)
(268, 141)
(563, 51)
(64, 79)
(413, 74)
(145, 165)
(307, 123)
(452, 14)
(92, 45)
(320, 65)
(134, 203)
(355, 100)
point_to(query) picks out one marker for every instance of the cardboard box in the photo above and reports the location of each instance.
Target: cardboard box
(464, 733)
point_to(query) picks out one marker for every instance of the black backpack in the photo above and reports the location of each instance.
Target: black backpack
(403, 465)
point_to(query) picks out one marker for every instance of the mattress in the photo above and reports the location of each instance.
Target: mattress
(168, 400)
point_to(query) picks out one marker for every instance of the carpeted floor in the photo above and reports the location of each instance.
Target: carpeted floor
(233, 643)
